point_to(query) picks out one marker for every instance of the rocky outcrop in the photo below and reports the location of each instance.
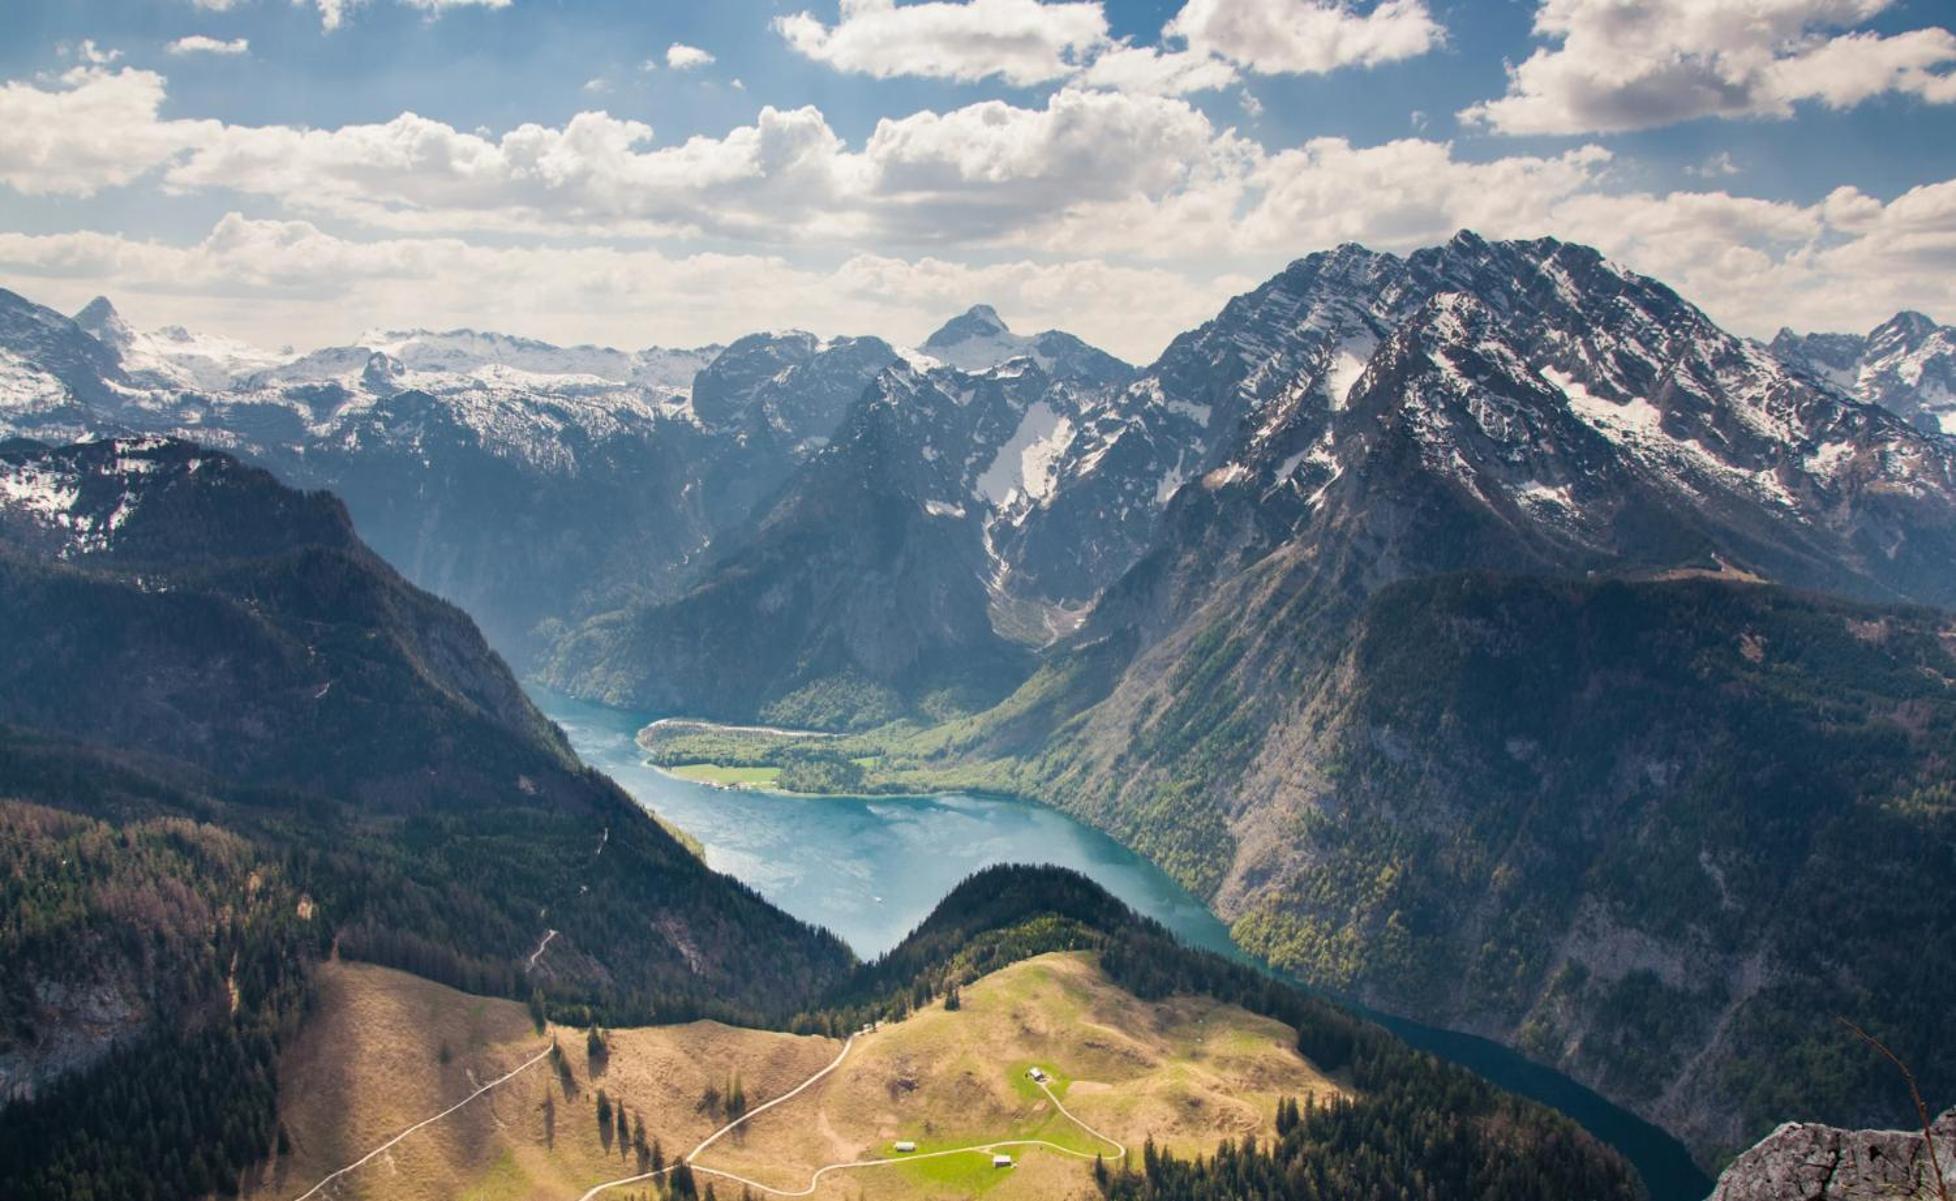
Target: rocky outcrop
(1809, 1162)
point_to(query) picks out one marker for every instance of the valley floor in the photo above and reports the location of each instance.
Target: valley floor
(387, 1050)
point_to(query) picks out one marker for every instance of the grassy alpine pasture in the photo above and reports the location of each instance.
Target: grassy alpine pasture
(388, 1050)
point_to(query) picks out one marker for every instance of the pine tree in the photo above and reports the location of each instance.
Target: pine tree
(951, 1002)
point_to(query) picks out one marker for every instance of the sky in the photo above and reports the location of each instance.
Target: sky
(658, 172)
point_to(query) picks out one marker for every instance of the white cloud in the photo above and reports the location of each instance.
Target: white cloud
(597, 85)
(681, 57)
(217, 6)
(984, 174)
(1027, 42)
(88, 52)
(96, 128)
(1306, 37)
(197, 43)
(1716, 166)
(1618, 66)
(1125, 68)
(1147, 183)
(993, 172)
(1022, 42)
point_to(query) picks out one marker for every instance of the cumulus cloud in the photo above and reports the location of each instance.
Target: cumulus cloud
(1306, 37)
(1023, 42)
(1146, 184)
(681, 57)
(1615, 66)
(979, 174)
(1027, 42)
(94, 128)
(197, 43)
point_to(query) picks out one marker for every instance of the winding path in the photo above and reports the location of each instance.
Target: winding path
(538, 953)
(525, 1066)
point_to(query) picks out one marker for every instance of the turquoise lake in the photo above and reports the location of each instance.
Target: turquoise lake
(871, 868)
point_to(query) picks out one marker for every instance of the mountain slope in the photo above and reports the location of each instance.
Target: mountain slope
(880, 580)
(978, 340)
(220, 637)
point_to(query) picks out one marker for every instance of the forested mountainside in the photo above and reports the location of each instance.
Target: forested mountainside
(1296, 703)
(264, 747)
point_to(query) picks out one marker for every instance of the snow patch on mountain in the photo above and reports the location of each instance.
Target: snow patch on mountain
(1026, 463)
(1347, 364)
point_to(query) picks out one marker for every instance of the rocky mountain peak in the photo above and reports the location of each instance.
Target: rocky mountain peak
(977, 322)
(100, 318)
(1907, 327)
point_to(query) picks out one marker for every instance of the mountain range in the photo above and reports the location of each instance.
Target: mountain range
(1484, 632)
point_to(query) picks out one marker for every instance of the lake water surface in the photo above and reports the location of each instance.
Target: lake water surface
(871, 868)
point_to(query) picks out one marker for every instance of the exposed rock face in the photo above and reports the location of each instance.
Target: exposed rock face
(1809, 1162)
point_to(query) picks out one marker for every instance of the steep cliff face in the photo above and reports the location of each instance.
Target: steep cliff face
(1803, 1161)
